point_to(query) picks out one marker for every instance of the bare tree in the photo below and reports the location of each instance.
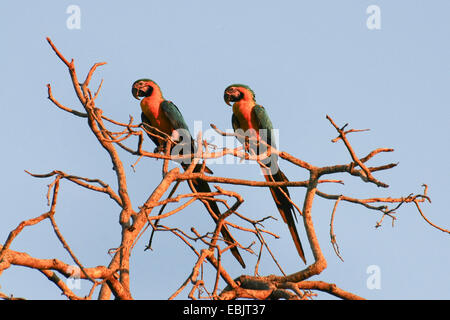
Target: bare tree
(113, 277)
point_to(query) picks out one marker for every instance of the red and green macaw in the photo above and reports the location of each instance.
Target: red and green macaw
(252, 121)
(162, 114)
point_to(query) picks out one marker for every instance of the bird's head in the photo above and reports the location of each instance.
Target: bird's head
(237, 92)
(143, 88)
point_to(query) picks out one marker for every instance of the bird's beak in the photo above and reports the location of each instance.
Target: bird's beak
(227, 98)
(135, 92)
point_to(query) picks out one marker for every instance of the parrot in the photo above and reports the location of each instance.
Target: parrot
(162, 114)
(252, 120)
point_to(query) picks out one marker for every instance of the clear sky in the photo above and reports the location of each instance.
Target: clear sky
(303, 59)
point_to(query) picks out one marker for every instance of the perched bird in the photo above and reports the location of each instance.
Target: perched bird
(255, 130)
(166, 117)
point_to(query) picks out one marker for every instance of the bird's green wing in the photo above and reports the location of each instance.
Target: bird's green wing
(264, 123)
(174, 115)
(177, 121)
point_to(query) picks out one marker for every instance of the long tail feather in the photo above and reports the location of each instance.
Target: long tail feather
(285, 207)
(203, 186)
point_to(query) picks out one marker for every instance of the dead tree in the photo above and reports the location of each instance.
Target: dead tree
(113, 276)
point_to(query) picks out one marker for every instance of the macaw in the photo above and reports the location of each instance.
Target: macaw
(167, 118)
(255, 132)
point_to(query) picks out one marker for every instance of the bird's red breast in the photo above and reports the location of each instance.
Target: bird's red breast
(243, 111)
(151, 107)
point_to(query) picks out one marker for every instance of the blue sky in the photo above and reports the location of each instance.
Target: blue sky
(303, 59)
